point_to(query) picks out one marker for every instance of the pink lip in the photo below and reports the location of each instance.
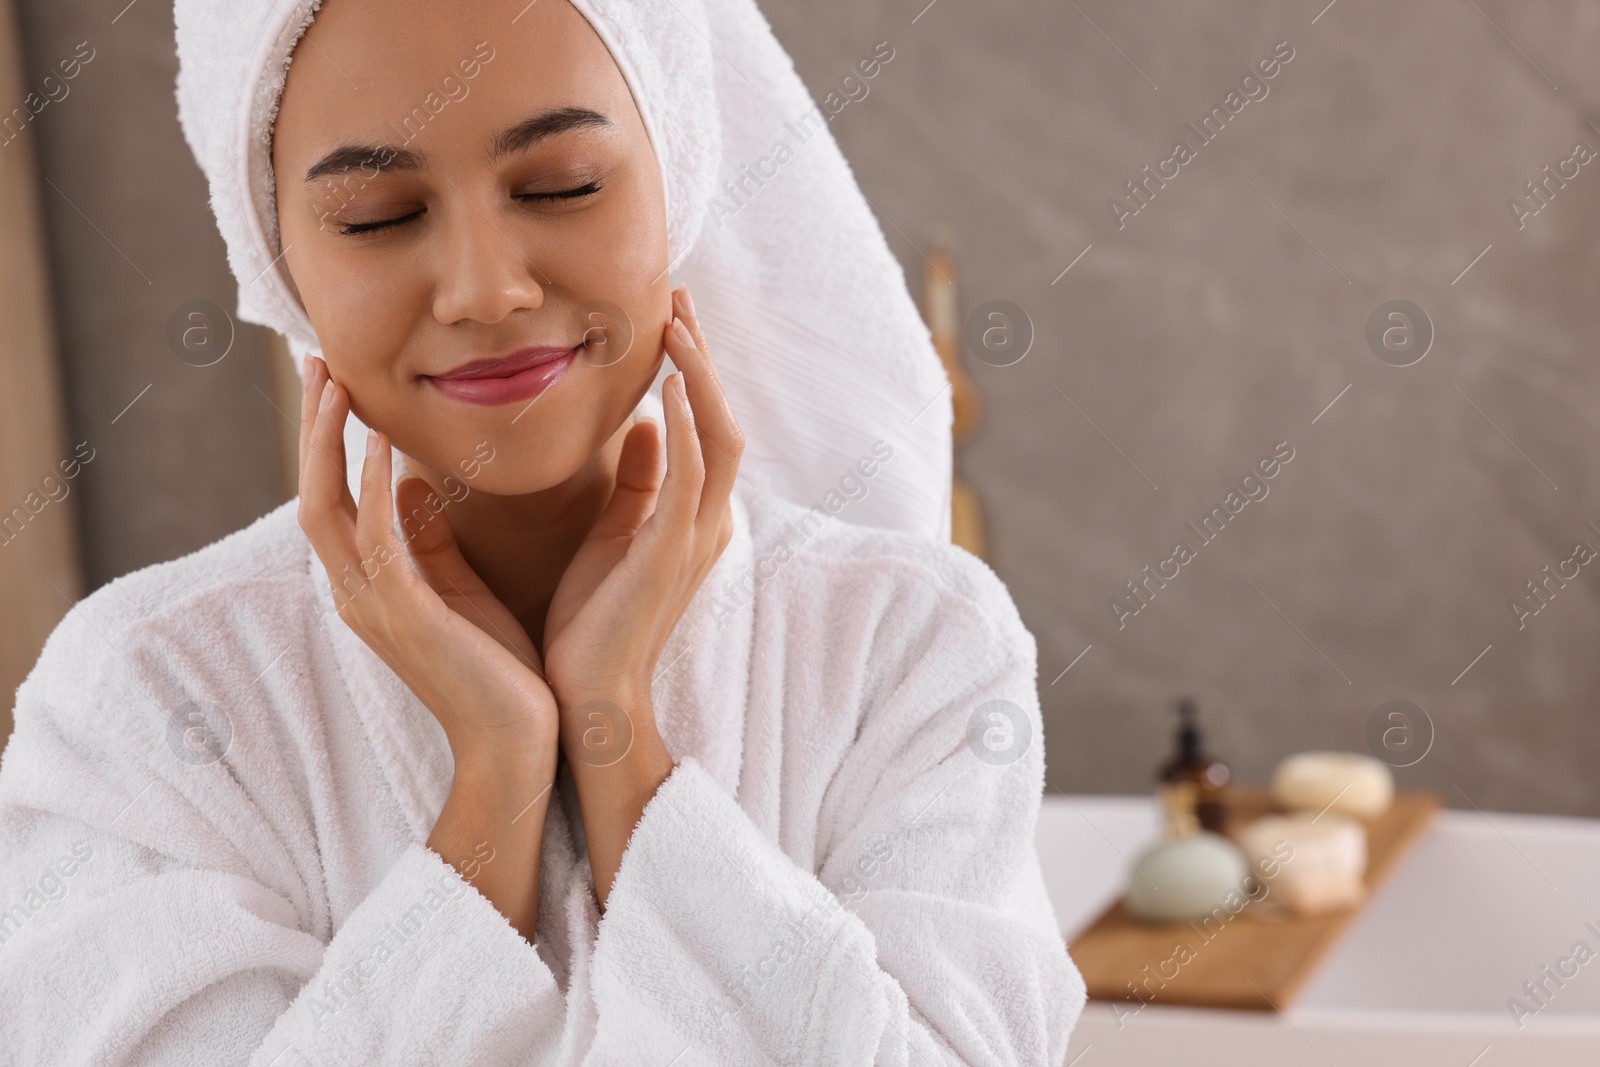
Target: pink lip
(522, 375)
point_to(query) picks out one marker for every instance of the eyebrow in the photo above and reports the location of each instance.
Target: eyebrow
(513, 139)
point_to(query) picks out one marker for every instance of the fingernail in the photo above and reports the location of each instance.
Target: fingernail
(682, 331)
(688, 302)
(372, 442)
(327, 396)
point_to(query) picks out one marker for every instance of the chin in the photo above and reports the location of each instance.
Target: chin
(519, 479)
(505, 462)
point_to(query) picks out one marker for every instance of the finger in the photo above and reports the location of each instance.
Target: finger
(705, 398)
(310, 391)
(432, 540)
(327, 510)
(679, 500)
(714, 414)
(639, 475)
(436, 554)
(375, 537)
(422, 516)
(639, 467)
(311, 414)
(684, 308)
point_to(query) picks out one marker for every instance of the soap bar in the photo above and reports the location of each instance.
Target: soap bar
(1309, 863)
(1186, 879)
(1336, 781)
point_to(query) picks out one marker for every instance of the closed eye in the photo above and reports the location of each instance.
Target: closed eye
(566, 194)
(354, 228)
(350, 229)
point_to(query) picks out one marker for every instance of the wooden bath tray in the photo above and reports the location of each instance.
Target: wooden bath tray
(1254, 962)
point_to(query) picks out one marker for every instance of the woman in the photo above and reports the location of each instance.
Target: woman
(571, 744)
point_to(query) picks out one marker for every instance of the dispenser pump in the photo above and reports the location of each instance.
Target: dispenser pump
(1188, 736)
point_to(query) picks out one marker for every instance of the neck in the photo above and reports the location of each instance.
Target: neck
(520, 545)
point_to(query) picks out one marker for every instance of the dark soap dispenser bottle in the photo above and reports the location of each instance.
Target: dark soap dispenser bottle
(1191, 785)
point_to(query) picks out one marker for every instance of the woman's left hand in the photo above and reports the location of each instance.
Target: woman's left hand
(636, 572)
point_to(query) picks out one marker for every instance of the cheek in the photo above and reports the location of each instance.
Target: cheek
(617, 254)
(638, 233)
(363, 309)
(617, 251)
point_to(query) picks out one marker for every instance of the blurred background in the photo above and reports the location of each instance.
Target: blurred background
(1181, 328)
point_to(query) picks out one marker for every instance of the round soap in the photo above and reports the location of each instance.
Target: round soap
(1337, 781)
(1185, 879)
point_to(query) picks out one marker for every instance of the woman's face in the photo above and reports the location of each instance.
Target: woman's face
(466, 183)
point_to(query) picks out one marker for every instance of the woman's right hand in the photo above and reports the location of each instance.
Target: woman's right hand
(438, 627)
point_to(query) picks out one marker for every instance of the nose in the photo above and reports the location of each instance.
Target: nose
(483, 274)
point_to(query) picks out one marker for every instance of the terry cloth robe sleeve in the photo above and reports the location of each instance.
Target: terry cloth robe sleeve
(925, 935)
(153, 915)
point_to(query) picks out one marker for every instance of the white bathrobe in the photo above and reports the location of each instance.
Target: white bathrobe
(213, 816)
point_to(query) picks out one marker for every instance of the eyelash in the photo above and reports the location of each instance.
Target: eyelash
(355, 229)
